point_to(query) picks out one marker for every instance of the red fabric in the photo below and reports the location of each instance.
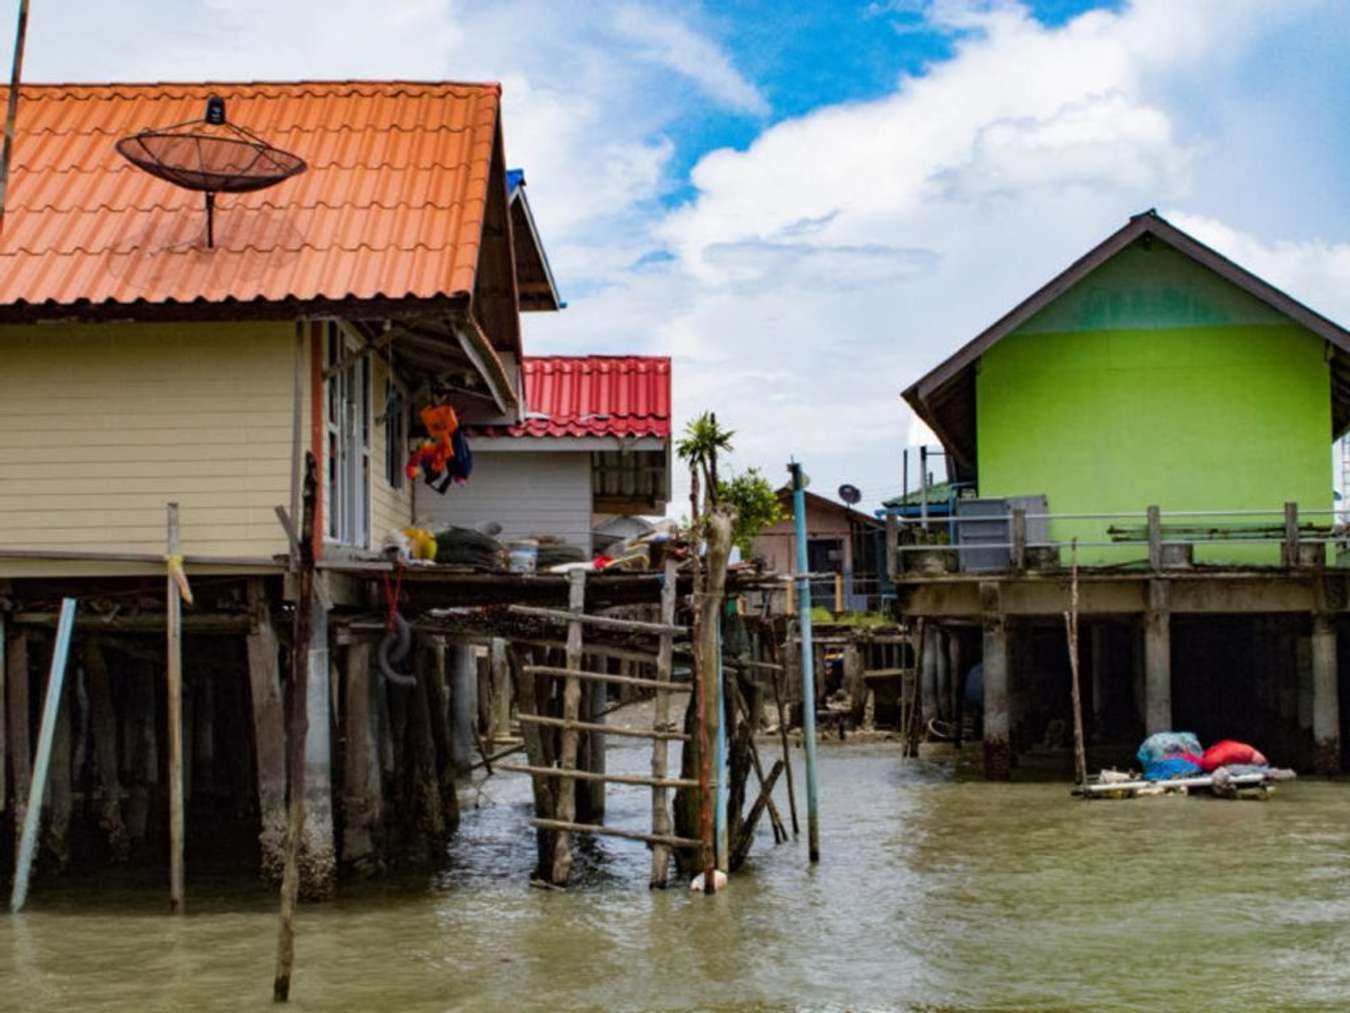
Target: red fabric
(1221, 754)
(1192, 758)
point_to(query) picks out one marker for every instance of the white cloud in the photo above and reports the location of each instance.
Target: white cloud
(668, 41)
(845, 251)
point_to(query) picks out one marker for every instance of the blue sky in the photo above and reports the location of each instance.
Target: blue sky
(808, 205)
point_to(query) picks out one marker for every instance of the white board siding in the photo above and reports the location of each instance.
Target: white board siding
(527, 493)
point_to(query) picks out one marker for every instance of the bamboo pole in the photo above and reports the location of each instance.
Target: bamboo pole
(46, 736)
(808, 661)
(12, 107)
(1071, 626)
(174, 657)
(299, 691)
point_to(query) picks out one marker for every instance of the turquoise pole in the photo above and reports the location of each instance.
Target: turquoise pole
(807, 659)
(720, 809)
(46, 734)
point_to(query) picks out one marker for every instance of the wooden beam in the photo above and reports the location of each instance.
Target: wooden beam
(586, 726)
(631, 835)
(589, 775)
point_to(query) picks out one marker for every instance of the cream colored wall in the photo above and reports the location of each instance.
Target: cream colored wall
(101, 425)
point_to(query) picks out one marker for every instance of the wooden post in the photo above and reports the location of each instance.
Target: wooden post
(104, 720)
(303, 566)
(839, 592)
(1155, 559)
(59, 803)
(1071, 628)
(12, 108)
(567, 758)
(1326, 696)
(203, 762)
(318, 852)
(1291, 553)
(269, 732)
(1019, 539)
(174, 654)
(596, 701)
(363, 799)
(1097, 634)
(46, 736)
(501, 692)
(892, 545)
(4, 661)
(661, 825)
(791, 596)
(463, 705)
(997, 716)
(1158, 659)
(545, 804)
(16, 708)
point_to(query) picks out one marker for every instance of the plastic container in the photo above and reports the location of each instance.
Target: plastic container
(522, 555)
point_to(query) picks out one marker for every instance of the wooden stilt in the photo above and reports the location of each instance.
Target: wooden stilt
(299, 722)
(16, 699)
(204, 734)
(56, 826)
(427, 785)
(501, 693)
(4, 696)
(545, 802)
(174, 649)
(787, 752)
(362, 795)
(269, 733)
(661, 824)
(104, 719)
(566, 809)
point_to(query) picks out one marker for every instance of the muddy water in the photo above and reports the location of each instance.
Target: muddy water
(931, 892)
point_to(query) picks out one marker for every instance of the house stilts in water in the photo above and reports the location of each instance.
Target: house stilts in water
(141, 365)
(1164, 418)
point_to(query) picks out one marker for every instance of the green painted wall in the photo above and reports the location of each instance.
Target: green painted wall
(1156, 382)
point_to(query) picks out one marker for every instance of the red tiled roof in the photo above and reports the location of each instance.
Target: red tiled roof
(391, 207)
(593, 395)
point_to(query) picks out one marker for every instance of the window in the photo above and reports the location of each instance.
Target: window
(395, 434)
(347, 450)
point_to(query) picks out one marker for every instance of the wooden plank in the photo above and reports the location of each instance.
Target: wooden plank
(602, 622)
(586, 726)
(631, 835)
(174, 659)
(567, 752)
(590, 775)
(622, 680)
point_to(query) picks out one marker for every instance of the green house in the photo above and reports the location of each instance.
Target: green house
(1152, 372)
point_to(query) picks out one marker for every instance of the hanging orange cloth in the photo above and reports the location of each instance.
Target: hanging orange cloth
(433, 455)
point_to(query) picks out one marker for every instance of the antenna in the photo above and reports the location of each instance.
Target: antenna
(212, 156)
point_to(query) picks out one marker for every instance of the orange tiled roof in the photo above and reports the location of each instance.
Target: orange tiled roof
(392, 205)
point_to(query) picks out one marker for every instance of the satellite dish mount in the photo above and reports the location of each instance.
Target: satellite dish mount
(212, 156)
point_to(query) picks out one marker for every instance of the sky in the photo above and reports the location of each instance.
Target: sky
(810, 205)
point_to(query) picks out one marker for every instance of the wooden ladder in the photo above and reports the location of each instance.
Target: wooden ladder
(563, 820)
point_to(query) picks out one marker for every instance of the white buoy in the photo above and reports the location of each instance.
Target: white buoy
(719, 882)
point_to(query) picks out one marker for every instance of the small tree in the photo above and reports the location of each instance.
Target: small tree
(756, 504)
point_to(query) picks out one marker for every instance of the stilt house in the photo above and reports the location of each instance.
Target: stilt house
(1163, 418)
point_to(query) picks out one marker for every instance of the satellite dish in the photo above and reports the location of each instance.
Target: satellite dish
(212, 156)
(850, 494)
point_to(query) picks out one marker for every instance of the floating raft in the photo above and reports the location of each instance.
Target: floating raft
(1254, 785)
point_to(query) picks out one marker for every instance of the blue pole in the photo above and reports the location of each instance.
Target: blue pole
(720, 808)
(808, 660)
(55, 680)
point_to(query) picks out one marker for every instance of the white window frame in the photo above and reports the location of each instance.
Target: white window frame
(348, 424)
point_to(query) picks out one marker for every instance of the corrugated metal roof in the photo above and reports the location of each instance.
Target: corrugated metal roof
(593, 395)
(392, 205)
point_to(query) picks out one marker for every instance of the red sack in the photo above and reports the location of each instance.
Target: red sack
(1221, 754)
